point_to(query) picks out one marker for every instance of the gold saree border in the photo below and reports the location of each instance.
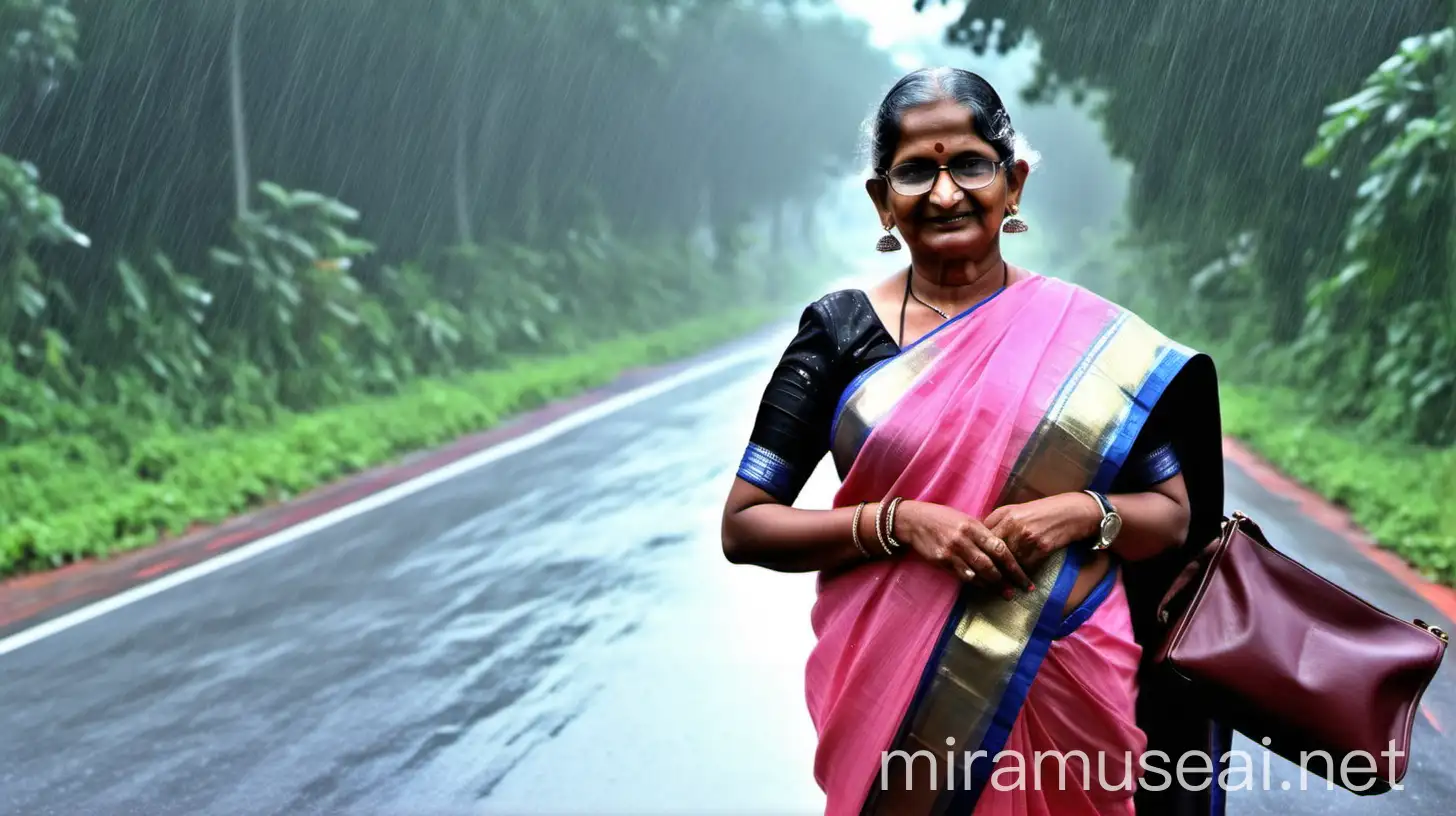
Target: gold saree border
(973, 689)
(880, 389)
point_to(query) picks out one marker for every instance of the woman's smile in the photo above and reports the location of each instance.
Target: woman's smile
(949, 220)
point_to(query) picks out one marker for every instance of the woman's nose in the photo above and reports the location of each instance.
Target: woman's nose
(946, 193)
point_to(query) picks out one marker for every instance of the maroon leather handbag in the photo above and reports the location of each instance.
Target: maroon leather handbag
(1278, 653)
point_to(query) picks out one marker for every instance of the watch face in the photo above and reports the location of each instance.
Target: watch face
(1111, 526)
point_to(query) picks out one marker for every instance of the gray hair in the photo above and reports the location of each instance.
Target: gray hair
(928, 85)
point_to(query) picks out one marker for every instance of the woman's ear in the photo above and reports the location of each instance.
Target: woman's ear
(879, 193)
(1016, 181)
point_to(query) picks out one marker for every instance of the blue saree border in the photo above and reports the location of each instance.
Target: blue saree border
(849, 391)
(1102, 470)
(1091, 603)
(1170, 364)
(1220, 745)
(859, 379)
(1048, 628)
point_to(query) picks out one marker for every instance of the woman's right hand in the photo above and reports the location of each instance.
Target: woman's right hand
(960, 543)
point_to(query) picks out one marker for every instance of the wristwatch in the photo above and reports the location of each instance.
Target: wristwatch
(1111, 522)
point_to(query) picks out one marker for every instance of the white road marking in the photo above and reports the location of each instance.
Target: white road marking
(527, 441)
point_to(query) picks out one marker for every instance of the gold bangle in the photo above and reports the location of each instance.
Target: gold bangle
(855, 529)
(880, 527)
(890, 523)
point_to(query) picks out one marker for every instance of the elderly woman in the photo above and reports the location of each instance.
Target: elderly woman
(1024, 467)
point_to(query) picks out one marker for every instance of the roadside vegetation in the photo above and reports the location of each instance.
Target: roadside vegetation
(72, 497)
(249, 246)
(1293, 209)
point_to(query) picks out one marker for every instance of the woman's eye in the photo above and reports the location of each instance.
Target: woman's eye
(913, 172)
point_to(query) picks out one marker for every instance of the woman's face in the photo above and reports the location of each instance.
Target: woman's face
(947, 222)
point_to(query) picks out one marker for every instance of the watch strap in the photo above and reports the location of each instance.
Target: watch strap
(1103, 541)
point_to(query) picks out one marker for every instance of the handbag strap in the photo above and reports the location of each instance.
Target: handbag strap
(1186, 583)
(1180, 593)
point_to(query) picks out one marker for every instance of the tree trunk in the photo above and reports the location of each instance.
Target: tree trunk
(778, 230)
(808, 223)
(1450, 105)
(240, 141)
(531, 201)
(462, 167)
(489, 136)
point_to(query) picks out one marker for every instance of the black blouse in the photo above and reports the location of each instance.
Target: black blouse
(839, 337)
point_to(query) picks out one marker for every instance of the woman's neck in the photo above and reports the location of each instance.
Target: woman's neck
(961, 283)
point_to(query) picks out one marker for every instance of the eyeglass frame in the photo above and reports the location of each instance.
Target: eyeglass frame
(944, 168)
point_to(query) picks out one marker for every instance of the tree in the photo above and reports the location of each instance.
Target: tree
(1214, 112)
(1298, 161)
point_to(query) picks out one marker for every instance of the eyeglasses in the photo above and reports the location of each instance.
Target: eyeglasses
(915, 178)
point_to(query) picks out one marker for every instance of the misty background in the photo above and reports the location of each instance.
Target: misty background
(261, 258)
(224, 217)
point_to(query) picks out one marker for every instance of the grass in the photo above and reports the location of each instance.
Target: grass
(1400, 494)
(68, 499)
(64, 500)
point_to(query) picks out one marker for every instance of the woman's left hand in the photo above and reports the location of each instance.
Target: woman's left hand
(1036, 529)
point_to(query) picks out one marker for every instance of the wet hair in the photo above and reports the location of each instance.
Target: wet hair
(928, 85)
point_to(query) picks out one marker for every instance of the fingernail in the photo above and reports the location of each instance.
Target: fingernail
(1009, 594)
(1031, 588)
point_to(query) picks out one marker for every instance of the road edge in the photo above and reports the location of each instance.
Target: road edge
(31, 601)
(1337, 520)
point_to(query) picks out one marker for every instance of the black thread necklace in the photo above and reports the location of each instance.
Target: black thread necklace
(910, 293)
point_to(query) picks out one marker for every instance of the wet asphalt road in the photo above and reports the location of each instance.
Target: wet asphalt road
(554, 633)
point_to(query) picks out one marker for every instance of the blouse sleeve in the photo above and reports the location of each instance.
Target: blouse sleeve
(1153, 459)
(791, 432)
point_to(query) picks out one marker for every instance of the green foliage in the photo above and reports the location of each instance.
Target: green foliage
(1216, 110)
(294, 303)
(573, 143)
(198, 360)
(158, 327)
(1293, 212)
(1298, 205)
(1399, 493)
(279, 321)
(168, 480)
(675, 115)
(1379, 332)
(1402, 347)
(1322, 425)
(30, 218)
(37, 45)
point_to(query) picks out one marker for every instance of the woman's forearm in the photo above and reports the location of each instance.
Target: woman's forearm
(768, 534)
(1152, 522)
(789, 539)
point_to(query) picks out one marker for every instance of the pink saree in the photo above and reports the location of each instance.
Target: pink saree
(930, 697)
